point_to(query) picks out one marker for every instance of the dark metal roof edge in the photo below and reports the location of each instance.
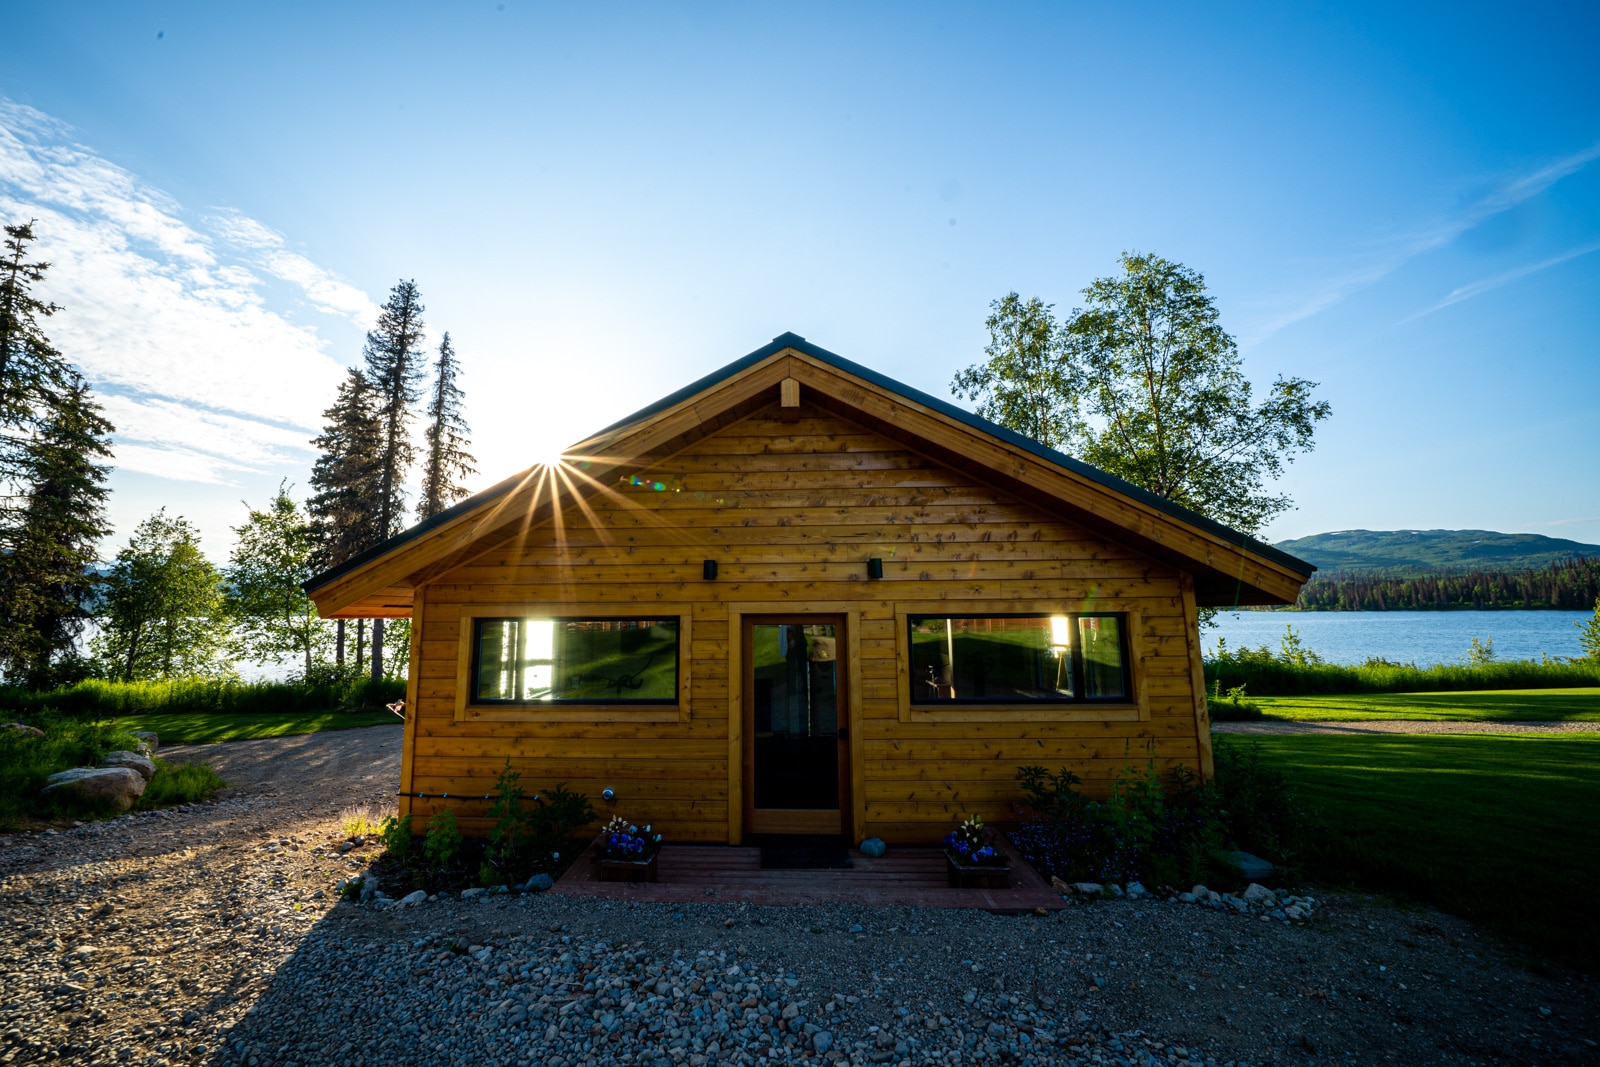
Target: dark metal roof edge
(1095, 474)
(944, 407)
(431, 523)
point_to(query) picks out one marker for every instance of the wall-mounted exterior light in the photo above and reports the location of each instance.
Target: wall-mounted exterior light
(874, 568)
(708, 569)
(608, 795)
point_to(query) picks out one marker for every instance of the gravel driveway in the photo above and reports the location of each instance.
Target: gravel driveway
(209, 935)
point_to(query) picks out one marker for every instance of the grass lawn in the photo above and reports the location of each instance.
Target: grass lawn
(200, 728)
(1503, 829)
(1503, 705)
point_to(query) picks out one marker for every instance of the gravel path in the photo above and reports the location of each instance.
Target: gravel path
(1404, 726)
(209, 935)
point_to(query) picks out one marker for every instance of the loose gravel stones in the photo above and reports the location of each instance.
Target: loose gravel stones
(215, 934)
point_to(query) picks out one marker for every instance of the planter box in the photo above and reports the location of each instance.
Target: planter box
(976, 876)
(627, 870)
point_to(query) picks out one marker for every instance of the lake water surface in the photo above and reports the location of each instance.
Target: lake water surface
(1425, 637)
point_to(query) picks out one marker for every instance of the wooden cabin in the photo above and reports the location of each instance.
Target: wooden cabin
(798, 597)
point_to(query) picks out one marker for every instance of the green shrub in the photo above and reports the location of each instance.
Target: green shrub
(396, 834)
(1162, 832)
(180, 783)
(441, 844)
(1232, 708)
(525, 840)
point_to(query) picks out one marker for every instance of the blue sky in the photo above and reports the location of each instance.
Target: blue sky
(602, 203)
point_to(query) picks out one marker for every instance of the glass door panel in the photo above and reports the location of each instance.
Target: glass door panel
(795, 713)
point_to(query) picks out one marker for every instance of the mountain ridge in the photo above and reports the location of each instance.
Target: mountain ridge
(1407, 552)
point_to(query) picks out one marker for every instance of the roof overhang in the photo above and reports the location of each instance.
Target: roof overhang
(1229, 568)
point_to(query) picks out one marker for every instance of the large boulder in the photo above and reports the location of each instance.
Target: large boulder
(131, 760)
(114, 787)
(147, 740)
(24, 729)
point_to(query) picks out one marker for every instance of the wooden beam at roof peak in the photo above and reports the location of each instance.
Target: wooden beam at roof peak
(789, 400)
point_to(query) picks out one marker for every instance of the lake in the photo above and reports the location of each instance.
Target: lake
(1425, 637)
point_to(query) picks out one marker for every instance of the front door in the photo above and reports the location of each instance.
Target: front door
(796, 737)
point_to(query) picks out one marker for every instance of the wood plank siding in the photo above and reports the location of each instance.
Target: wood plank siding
(791, 511)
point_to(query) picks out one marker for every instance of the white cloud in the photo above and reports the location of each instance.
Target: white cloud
(169, 320)
(1467, 292)
(1407, 247)
(323, 288)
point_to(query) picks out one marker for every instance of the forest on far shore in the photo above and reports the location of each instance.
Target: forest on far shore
(1568, 585)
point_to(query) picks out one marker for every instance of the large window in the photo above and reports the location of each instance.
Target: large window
(575, 661)
(1008, 659)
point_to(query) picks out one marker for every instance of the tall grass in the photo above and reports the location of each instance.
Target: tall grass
(1294, 671)
(26, 761)
(97, 698)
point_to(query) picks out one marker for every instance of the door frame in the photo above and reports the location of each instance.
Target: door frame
(741, 742)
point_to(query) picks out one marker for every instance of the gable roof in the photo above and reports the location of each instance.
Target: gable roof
(1291, 570)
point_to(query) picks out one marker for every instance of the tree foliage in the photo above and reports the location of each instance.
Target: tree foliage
(1570, 585)
(275, 552)
(1025, 385)
(1144, 383)
(50, 543)
(447, 463)
(343, 506)
(32, 372)
(393, 354)
(1589, 633)
(163, 612)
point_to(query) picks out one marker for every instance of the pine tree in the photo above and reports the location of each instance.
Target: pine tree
(394, 368)
(343, 506)
(31, 370)
(46, 580)
(393, 355)
(447, 463)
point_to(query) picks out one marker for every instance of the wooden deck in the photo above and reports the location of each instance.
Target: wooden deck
(914, 877)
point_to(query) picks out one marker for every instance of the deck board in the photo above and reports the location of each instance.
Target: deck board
(914, 877)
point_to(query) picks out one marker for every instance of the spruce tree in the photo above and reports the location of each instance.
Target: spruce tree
(31, 370)
(447, 462)
(343, 505)
(394, 368)
(46, 577)
(393, 354)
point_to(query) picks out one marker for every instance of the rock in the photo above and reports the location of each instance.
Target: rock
(874, 847)
(1244, 865)
(131, 760)
(822, 1041)
(1259, 894)
(414, 898)
(1293, 912)
(1136, 890)
(114, 787)
(369, 888)
(1114, 890)
(148, 738)
(23, 729)
(539, 883)
(1087, 889)
(473, 893)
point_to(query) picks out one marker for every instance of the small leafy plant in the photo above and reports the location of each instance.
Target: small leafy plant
(620, 840)
(441, 842)
(396, 834)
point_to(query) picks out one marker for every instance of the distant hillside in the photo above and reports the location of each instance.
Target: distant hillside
(1416, 552)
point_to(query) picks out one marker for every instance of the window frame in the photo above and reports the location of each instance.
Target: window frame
(470, 709)
(1132, 706)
